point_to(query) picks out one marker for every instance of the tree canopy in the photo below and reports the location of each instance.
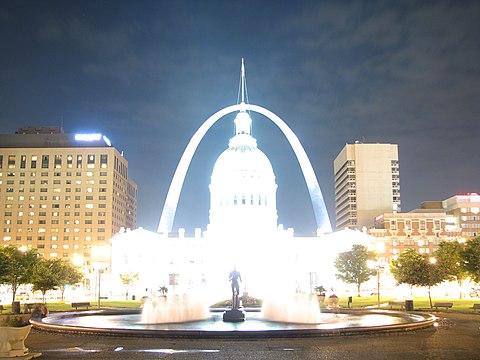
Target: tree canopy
(69, 275)
(449, 259)
(46, 275)
(471, 257)
(417, 270)
(17, 267)
(129, 279)
(353, 267)
(51, 274)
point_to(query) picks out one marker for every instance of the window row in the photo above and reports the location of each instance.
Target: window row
(55, 213)
(55, 182)
(55, 222)
(45, 161)
(54, 230)
(55, 173)
(54, 238)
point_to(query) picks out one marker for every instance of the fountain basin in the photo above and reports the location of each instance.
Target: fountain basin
(334, 323)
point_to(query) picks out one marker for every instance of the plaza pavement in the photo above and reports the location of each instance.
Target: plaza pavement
(457, 337)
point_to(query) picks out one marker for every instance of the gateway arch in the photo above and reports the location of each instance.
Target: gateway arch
(168, 214)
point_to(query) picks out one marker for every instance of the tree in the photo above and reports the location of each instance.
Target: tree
(352, 266)
(69, 275)
(46, 275)
(406, 268)
(54, 274)
(3, 266)
(17, 267)
(417, 270)
(449, 258)
(471, 258)
(129, 279)
(163, 289)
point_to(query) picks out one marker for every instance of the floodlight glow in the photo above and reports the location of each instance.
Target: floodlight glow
(88, 137)
(107, 141)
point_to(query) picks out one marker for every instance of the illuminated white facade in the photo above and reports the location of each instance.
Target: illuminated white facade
(243, 188)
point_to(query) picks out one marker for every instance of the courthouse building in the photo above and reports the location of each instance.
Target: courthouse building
(63, 194)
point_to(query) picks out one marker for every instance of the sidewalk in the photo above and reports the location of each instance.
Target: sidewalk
(457, 337)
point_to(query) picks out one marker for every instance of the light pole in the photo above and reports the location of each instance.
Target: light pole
(378, 267)
(100, 253)
(432, 262)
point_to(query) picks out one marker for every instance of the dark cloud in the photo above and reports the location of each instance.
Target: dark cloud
(148, 74)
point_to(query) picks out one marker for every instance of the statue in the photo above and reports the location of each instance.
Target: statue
(234, 277)
(235, 314)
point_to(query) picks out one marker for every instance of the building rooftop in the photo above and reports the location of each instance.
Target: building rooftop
(51, 137)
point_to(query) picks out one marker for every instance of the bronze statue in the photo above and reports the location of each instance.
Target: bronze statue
(234, 277)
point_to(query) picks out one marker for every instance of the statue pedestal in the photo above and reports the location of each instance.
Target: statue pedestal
(234, 315)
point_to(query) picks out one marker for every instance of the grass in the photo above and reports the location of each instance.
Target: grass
(420, 303)
(55, 306)
(362, 301)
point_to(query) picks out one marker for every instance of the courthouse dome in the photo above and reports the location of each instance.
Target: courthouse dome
(243, 188)
(242, 162)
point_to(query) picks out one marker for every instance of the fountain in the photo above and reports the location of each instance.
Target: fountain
(300, 308)
(334, 323)
(285, 313)
(174, 309)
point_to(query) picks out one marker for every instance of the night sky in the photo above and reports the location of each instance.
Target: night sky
(148, 73)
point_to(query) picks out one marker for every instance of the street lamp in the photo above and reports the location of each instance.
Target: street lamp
(79, 261)
(432, 262)
(100, 253)
(378, 267)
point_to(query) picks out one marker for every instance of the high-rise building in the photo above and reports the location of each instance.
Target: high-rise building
(63, 194)
(367, 183)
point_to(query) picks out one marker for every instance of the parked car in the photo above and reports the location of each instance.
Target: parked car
(22, 296)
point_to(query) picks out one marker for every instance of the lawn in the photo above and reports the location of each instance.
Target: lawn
(66, 305)
(420, 303)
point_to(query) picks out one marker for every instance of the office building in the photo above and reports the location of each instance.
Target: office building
(63, 194)
(367, 183)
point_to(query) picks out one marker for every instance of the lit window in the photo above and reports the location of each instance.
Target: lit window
(45, 161)
(58, 161)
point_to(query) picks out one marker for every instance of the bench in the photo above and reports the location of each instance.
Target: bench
(475, 307)
(446, 305)
(397, 303)
(27, 308)
(76, 305)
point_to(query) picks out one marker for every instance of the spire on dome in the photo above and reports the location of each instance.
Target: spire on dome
(243, 82)
(243, 122)
(242, 90)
